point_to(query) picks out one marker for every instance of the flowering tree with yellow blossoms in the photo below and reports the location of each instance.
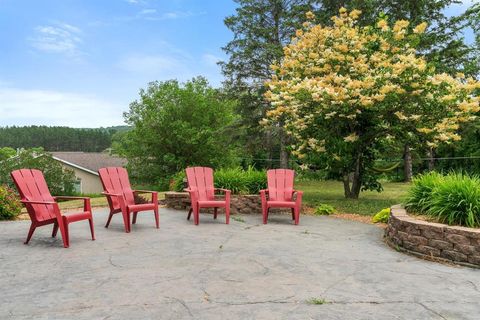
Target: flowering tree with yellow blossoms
(343, 91)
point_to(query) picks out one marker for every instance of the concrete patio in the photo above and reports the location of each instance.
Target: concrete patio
(244, 270)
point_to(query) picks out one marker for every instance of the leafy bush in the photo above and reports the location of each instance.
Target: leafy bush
(456, 201)
(324, 210)
(381, 216)
(10, 205)
(239, 181)
(453, 199)
(418, 197)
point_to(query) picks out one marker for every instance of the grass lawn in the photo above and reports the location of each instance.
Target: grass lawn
(369, 203)
(315, 193)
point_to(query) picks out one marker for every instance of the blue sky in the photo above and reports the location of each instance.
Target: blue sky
(80, 63)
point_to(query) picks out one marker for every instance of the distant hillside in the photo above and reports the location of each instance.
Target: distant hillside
(59, 138)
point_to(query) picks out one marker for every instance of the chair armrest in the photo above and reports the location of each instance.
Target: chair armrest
(299, 196)
(144, 191)
(86, 201)
(263, 195)
(112, 194)
(193, 194)
(223, 190)
(37, 202)
(70, 198)
(153, 193)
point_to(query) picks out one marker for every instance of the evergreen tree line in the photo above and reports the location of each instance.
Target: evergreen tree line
(57, 138)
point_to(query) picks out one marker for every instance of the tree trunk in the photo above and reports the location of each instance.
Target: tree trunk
(407, 163)
(283, 149)
(431, 159)
(353, 191)
(268, 142)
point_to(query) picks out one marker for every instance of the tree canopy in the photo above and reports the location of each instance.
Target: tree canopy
(178, 125)
(343, 90)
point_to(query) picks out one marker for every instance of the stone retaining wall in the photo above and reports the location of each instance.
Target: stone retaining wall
(239, 204)
(434, 240)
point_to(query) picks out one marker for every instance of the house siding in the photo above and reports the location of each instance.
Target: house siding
(90, 183)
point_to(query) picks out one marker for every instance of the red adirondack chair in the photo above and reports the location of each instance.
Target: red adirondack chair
(120, 196)
(202, 193)
(43, 208)
(280, 193)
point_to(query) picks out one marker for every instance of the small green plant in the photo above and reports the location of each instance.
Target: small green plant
(317, 301)
(381, 216)
(324, 210)
(238, 219)
(10, 205)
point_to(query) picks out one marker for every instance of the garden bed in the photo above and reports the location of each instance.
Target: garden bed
(460, 245)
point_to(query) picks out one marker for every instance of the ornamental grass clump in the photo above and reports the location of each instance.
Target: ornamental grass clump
(419, 195)
(456, 201)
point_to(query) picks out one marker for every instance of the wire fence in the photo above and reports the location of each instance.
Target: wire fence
(470, 164)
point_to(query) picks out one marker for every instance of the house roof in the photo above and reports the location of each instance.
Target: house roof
(89, 161)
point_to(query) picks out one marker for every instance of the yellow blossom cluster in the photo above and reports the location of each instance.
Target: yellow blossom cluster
(344, 83)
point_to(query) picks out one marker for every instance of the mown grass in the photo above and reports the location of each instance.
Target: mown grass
(316, 193)
(369, 203)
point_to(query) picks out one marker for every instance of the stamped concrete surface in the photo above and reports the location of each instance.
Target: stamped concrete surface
(244, 270)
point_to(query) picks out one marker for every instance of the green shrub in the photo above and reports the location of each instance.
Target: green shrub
(324, 210)
(418, 197)
(176, 183)
(237, 180)
(10, 205)
(456, 201)
(381, 216)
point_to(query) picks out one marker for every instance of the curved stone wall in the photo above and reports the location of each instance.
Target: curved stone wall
(433, 240)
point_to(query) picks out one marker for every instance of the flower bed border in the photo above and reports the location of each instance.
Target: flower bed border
(433, 241)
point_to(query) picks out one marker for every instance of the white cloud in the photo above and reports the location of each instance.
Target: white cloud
(158, 66)
(57, 38)
(147, 11)
(43, 107)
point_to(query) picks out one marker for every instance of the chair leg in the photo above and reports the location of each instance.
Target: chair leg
(297, 215)
(157, 217)
(30, 232)
(126, 221)
(293, 213)
(189, 213)
(134, 218)
(55, 229)
(196, 216)
(215, 213)
(63, 225)
(265, 215)
(109, 219)
(90, 222)
(227, 214)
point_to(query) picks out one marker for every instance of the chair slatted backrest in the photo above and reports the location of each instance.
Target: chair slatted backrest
(280, 184)
(115, 180)
(201, 178)
(32, 186)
